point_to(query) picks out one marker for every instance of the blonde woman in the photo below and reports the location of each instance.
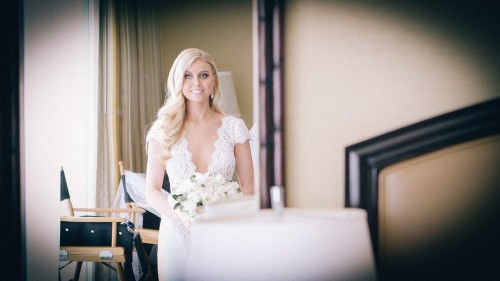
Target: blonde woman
(191, 134)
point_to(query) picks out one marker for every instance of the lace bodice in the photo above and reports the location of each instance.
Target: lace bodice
(180, 166)
(174, 238)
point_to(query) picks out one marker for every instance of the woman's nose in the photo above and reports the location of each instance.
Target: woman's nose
(195, 81)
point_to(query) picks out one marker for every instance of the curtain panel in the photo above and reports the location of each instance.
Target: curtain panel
(130, 89)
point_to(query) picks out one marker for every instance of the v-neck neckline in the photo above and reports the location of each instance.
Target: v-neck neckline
(215, 146)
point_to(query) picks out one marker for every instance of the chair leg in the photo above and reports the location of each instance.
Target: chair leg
(129, 272)
(153, 258)
(147, 271)
(119, 271)
(78, 269)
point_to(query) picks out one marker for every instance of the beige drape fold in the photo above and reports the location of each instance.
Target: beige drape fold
(130, 89)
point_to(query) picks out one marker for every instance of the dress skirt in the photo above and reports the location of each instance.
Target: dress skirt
(173, 244)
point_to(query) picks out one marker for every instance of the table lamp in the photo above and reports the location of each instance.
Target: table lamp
(229, 99)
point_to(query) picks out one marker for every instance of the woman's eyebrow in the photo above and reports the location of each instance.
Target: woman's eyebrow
(203, 71)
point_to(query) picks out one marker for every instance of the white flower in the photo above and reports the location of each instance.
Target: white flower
(218, 179)
(194, 197)
(188, 205)
(184, 187)
(190, 194)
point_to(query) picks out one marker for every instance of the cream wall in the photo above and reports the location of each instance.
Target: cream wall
(223, 28)
(353, 72)
(59, 127)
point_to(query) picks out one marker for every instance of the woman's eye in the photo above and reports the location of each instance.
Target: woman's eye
(188, 76)
(204, 75)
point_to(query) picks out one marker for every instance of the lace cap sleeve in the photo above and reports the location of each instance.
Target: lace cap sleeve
(240, 133)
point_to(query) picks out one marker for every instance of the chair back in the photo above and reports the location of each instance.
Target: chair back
(431, 193)
(63, 188)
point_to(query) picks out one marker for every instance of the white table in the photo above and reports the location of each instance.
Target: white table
(298, 245)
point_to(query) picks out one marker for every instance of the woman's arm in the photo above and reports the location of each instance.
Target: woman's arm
(244, 166)
(155, 172)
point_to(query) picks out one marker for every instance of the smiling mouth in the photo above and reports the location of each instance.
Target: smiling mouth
(197, 92)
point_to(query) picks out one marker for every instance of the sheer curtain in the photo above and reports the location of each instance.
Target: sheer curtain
(130, 89)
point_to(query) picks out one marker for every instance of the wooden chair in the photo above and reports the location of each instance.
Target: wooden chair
(104, 239)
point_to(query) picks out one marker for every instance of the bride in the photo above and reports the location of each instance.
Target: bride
(191, 134)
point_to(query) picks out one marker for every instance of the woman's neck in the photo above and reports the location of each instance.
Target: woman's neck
(200, 113)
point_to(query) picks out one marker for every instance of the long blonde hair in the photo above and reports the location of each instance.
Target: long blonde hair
(172, 114)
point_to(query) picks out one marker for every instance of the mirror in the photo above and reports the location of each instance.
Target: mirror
(59, 66)
(229, 39)
(148, 36)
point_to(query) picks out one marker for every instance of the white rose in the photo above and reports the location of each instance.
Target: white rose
(189, 206)
(219, 179)
(194, 196)
(206, 198)
(219, 194)
(201, 178)
(183, 187)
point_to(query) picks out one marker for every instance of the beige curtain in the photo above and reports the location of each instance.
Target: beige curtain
(130, 92)
(130, 89)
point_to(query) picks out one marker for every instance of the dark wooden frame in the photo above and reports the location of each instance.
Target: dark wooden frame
(366, 159)
(11, 143)
(270, 97)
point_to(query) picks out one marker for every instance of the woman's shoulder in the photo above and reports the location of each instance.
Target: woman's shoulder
(231, 121)
(154, 131)
(235, 128)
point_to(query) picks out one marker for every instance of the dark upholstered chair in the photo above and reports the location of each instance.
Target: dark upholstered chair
(432, 193)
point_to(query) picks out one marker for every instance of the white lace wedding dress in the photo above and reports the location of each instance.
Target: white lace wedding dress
(173, 246)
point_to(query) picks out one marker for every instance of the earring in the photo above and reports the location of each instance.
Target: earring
(212, 95)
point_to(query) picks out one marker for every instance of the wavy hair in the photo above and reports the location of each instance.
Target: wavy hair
(172, 114)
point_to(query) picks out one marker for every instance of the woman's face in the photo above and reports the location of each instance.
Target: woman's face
(199, 80)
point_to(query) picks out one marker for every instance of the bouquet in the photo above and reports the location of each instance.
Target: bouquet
(192, 193)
